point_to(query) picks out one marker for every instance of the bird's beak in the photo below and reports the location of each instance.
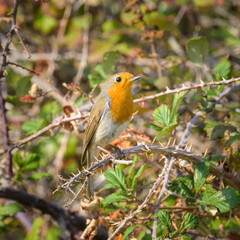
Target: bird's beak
(135, 78)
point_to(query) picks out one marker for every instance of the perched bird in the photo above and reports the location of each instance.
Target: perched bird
(109, 117)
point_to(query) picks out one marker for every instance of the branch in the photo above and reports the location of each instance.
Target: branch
(54, 124)
(218, 171)
(29, 200)
(189, 87)
(5, 135)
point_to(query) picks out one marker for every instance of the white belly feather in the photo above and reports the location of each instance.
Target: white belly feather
(108, 130)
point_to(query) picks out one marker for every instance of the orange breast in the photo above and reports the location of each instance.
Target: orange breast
(121, 103)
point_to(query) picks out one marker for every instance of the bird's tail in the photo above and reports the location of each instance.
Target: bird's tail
(91, 155)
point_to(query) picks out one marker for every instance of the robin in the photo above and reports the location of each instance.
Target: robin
(109, 117)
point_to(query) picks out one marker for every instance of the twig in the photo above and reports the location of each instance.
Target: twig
(83, 61)
(27, 69)
(56, 123)
(180, 14)
(186, 88)
(77, 194)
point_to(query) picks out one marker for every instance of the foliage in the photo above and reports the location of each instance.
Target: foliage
(77, 45)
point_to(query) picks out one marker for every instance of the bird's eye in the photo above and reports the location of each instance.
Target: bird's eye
(118, 79)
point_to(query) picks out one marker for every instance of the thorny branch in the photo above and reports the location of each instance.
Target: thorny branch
(187, 87)
(139, 100)
(218, 171)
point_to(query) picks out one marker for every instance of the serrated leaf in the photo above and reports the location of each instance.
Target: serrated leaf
(10, 209)
(135, 179)
(224, 200)
(229, 199)
(190, 221)
(165, 219)
(200, 175)
(163, 115)
(219, 130)
(116, 178)
(178, 97)
(114, 197)
(223, 69)
(128, 231)
(197, 48)
(186, 190)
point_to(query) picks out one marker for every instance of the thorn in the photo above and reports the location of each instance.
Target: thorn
(205, 153)
(169, 141)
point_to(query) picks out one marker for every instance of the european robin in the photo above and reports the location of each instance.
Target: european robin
(109, 117)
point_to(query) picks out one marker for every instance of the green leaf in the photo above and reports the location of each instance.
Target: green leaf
(219, 130)
(165, 219)
(36, 229)
(197, 48)
(224, 200)
(54, 233)
(37, 176)
(153, 126)
(116, 178)
(132, 171)
(136, 177)
(223, 69)
(114, 197)
(128, 231)
(23, 86)
(190, 221)
(45, 23)
(229, 199)
(32, 126)
(178, 97)
(163, 115)
(234, 137)
(200, 175)
(30, 162)
(166, 132)
(10, 210)
(186, 190)
(186, 237)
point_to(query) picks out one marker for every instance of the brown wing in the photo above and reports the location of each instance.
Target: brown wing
(93, 123)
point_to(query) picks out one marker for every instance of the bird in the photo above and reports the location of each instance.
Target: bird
(109, 117)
